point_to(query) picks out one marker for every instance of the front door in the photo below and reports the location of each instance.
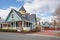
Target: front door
(19, 25)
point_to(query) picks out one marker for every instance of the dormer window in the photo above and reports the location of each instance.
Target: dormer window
(12, 15)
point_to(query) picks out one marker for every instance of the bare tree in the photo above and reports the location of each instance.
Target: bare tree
(58, 15)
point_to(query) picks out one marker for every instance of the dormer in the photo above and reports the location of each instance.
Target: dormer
(22, 10)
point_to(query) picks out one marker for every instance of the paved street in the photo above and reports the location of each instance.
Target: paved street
(18, 36)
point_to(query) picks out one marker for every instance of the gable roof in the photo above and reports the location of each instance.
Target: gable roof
(19, 14)
(22, 8)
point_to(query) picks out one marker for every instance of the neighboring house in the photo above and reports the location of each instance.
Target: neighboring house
(46, 24)
(20, 20)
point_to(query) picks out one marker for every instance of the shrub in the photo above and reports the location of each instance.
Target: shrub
(38, 28)
(26, 31)
(8, 30)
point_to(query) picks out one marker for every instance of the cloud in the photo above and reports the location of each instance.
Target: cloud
(35, 5)
(4, 13)
(24, 0)
(49, 19)
(13, 8)
(41, 7)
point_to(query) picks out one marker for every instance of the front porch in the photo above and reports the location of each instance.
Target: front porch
(17, 25)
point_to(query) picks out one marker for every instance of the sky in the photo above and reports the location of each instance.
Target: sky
(42, 8)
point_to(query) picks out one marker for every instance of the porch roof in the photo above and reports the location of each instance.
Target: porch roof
(19, 20)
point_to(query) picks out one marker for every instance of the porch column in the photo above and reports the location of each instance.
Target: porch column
(7, 26)
(15, 25)
(22, 23)
(10, 25)
(2, 25)
(31, 25)
(28, 24)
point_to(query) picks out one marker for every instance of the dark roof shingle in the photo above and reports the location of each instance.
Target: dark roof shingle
(22, 8)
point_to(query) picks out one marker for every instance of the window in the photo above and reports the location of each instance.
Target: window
(12, 15)
(17, 24)
(27, 24)
(4, 25)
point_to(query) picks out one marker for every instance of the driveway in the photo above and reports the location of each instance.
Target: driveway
(18, 36)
